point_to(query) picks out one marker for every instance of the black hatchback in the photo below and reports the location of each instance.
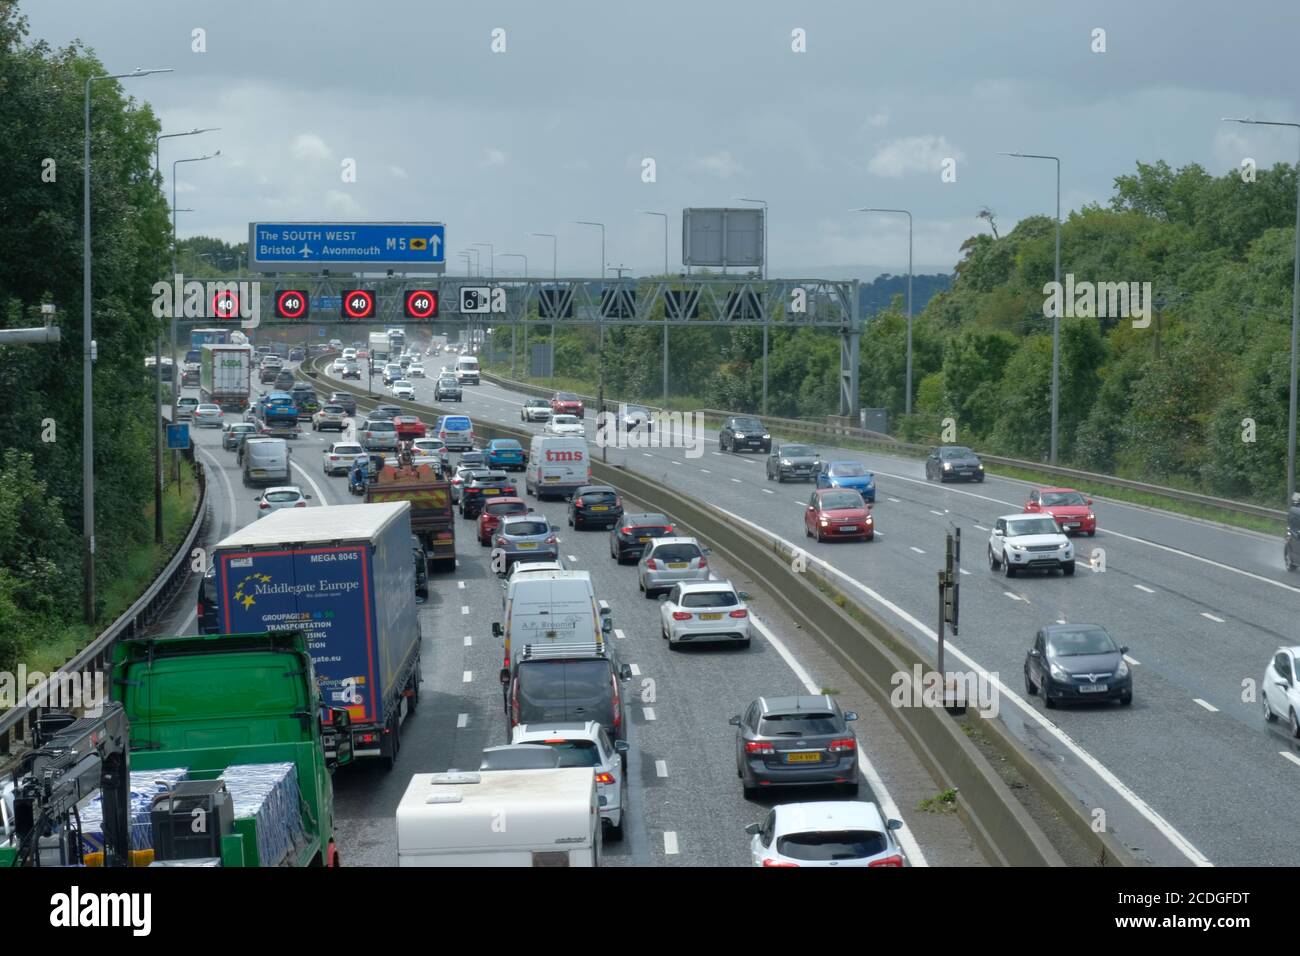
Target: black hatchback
(482, 488)
(628, 537)
(595, 504)
(1078, 662)
(741, 432)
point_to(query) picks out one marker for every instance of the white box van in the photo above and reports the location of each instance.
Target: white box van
(552, 607)
(557, 465)
(266, 461)
(467, 370)
(547, 817)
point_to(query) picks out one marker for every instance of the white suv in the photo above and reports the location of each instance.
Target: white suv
(587, 745)
(1279, 690)
(1023, 541)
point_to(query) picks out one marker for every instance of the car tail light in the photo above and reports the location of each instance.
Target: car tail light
(668, 530)
(626, 529)
(842, 745)
(682, 615)
(514, 703)
(301, 504)
(551, 540)
(577, 503)
(650, 564)
(894, 860)
(740, 613)
(334, 457)
(782, 863)
(618, 502)
(759, 747)
(501, 542)
(604, 778)
(368, 738)
(263, 506)
(444, 535)
(704, 563)
(618, 706)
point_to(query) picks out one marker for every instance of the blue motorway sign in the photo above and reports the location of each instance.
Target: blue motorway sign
(347, 246)
(178, 436)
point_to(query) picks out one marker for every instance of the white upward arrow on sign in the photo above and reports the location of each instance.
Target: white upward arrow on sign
(434, 243)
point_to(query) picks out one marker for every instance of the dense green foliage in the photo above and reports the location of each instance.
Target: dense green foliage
(41, 120)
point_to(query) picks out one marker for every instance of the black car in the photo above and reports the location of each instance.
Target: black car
(421, 568)
(447, 388)
(1291, 550)
(549, 684)
(352, 370)
(386, 412)
(206, 612)
(1078, 662)
(741, 432)
(628, 538)
(297, 355)
(345, 400)
(284, 380)
(484, 487)
(268, 374)
(595, 504)
(953, 462)
(305, 397)
(793, 463)
(795, 741)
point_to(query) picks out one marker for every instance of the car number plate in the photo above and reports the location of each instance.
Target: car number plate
(644, 538)
(803, 758)
(489, 491)
(600, 507)
(551, 478)
(257, 472)
(1072, 524)
(710, 617)
(527, 545)
(676, 565)
(1093, 688)
(848, 527)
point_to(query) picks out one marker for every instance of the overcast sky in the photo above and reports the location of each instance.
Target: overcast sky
(557, 127)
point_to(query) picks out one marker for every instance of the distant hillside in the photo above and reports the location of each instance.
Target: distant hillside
(878, 295)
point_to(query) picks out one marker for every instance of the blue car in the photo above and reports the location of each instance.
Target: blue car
(848, 474)
(506, 454)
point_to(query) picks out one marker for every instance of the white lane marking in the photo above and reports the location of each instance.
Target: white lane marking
(939, 513)
(1060, 620)
(877, 534)
(894, 500)
(464, 609)
(462, 720)
(1168, 830)
(647, 454)
(636, 671)
(675, 461)
(910, 846)
(1017, 597)
(981, 527)
(469, 640)
(706, 471)
(963, 571)
(649, 713)
(1208, 706)
(1143, 587)
(320, 495)
(1196, 557)
(572, 557)
(661, 768)
(1290, 756)
(718, 453)
(917, 550)
(736, 480)
(799, 501)
(619, 634)
(467, 677)
(1132, 661)
(461, 585)
(768, 491)
(1216, 620)
(670, 842)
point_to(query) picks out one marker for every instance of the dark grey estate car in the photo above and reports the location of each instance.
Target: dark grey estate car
(793, 463)
(795, 741)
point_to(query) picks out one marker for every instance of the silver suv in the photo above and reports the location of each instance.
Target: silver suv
(378, 434)
(1023, 541)
(665, 561)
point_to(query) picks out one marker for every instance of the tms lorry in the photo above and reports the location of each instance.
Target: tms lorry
(229, 729)
(547, 817)
(226, 376)
(432, 520)
(379, 348)
(344, 575)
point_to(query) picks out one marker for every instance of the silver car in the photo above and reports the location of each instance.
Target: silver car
(697, 611)
(208, 416)
(666, 561)
(527, 537)
(378, 435)
(185, 408)
(340, 457)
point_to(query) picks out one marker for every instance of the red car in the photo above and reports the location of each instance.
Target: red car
(566, 403)
(409, 426)
(1072, 511)
(489, 518)
(838, 513)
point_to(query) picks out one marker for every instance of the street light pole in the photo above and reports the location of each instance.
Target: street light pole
(647, 212)
(176, 387)
(908, 402)
(492, 268)
(555, 245)
(87, 385)
(1056, 317)
(584, 222)
(1295, 321)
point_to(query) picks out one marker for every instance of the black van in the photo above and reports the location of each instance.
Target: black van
(566, 682)
(207, 606)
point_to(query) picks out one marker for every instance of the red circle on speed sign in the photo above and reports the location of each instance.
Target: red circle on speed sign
(421, 303)
(359, 304)
(291, 304)
(225, 304)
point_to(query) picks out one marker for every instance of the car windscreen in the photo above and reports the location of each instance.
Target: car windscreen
(747, 425)
(1055, 498)
(447, 381)
(709, 599)
(519, 529)
(956, 453)
(507, 444)
(381, 426)
(566, 419)
(282, 496)
(1032, 526)
(455, 424)
(566, 397)
(824, 846)
(507, 508)
(570, 682)
(1083, 640)
(804, 723)
(333, 409)
(836, 502)
(796, 451)
(576, 753)
(598, 497)
(676, 552)
(243, 427)
(847, 470)
(347, 449)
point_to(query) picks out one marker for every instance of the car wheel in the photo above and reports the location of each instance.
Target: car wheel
(1047, 698)
(649, 593)
(1269, 716)
(780, 478)
(744, 644)
(1007, 567)
(851, 789)
(747, 791)
(1030, 687)
(615, 833)
(993, 562)
(1092, 533)
(1295, 724)
(1126, 700)
(1288, 557)
(1068, 568)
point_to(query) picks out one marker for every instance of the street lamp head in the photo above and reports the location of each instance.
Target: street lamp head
(142, 71)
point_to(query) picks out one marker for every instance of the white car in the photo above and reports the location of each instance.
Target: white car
(281, 496)
(565, 425)
(826, 833)
(585, 744)
(416, 370)
(341, 456)
(429, 451)
(338, 365)
(208, 416)
(697, 611)
(1280, 691)
(185, 406)
(1023, 541)
(402, 389)
(349, 353)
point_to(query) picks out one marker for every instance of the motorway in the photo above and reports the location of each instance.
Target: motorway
(686, 803)
(1190, 774)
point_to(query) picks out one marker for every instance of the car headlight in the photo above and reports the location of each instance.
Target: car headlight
(1016, 547)
(1059, 672)
(980, 467)
(785, 462)
(737, 434)
(1122, 670)
(947, 466)
(824, 521)
(766, 436)
(1091, 516)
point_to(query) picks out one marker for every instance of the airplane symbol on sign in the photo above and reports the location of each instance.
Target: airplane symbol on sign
(306, 251)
